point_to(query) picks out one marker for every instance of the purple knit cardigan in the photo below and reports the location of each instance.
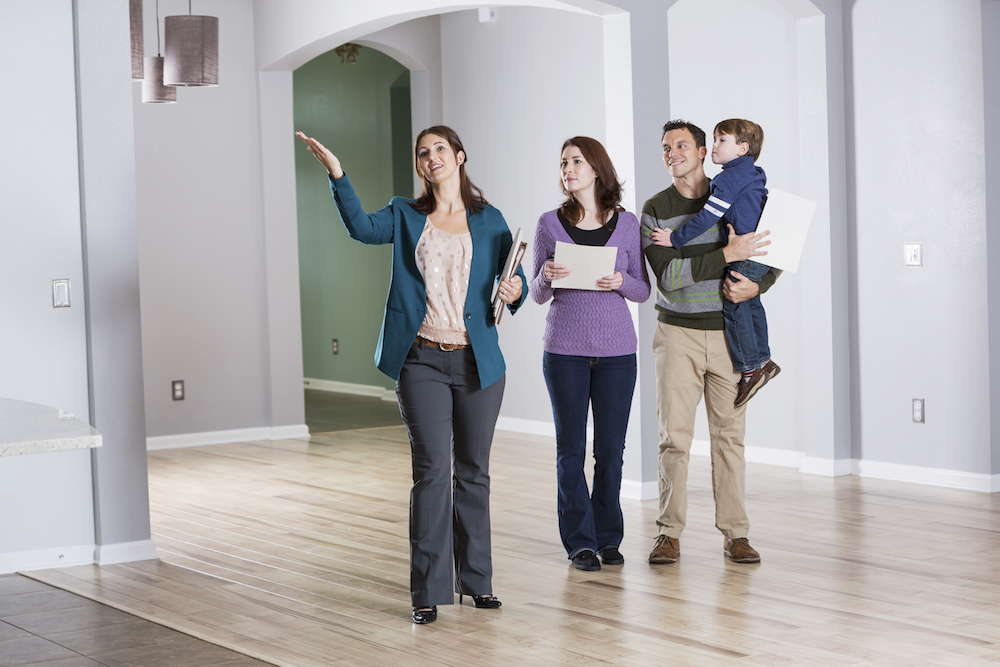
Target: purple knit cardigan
(590, 323)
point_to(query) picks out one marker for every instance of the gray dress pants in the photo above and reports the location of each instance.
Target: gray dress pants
(450, 422)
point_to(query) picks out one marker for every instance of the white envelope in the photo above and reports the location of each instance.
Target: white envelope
(787, 216)
(587, 265)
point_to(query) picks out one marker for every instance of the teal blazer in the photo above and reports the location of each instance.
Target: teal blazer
(401, 225)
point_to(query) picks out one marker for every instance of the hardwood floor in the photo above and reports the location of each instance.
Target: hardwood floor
(295, 553)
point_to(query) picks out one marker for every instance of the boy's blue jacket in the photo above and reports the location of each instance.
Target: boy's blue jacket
(736, 195)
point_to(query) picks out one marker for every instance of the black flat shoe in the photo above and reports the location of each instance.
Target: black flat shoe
(611, 556)
(483, 601)
(587, 561)
(424, 615)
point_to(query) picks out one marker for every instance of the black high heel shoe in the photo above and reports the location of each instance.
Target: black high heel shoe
(424, 615)
(482, 601)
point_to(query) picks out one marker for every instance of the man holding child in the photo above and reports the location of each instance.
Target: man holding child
(691, 355)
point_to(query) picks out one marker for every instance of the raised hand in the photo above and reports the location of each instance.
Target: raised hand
(323, 154)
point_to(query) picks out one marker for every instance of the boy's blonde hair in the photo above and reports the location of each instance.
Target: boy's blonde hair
(743, 130)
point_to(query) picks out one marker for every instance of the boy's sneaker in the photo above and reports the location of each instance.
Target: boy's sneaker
(745, 389)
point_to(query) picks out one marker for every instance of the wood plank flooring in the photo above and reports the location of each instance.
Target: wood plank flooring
(295, 553)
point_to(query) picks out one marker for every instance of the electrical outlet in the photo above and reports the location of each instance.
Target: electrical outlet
(918, 410)
(336, 346)
(177, 389)
(913, 254)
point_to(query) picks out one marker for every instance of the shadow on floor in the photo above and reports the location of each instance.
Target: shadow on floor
(328, 411)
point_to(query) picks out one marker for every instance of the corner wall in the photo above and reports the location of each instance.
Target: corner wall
(919, 167)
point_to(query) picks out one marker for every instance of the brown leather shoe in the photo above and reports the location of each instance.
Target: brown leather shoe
(771, 369)
(740, 551)
(666, 550)
(745, 389)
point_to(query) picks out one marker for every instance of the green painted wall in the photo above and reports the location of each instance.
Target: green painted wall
(356, 111)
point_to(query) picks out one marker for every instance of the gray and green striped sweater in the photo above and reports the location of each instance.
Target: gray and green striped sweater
(688, 279)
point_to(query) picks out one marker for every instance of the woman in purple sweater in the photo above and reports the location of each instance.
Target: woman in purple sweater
(590, 343)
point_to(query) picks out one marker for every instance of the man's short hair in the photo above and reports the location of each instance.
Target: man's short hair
(696, 132)
(743, 130)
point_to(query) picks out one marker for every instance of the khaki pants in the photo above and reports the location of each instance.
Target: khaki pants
(689, 363)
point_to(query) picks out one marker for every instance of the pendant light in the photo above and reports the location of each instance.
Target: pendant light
(135, 28)
(153, 90)
(192, 46)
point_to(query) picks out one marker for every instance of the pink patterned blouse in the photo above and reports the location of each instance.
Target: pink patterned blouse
(443, 260)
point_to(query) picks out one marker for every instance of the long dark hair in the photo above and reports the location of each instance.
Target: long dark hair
(608, 191)
(472, 196)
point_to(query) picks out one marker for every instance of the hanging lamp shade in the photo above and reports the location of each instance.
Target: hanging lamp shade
(192, 51)
(153, 90)
(135, 28)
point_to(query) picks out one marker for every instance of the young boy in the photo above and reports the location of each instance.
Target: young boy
(737, 196)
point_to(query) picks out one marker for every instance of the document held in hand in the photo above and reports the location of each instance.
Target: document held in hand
(587, 264)
(787, 216)
(510, 267)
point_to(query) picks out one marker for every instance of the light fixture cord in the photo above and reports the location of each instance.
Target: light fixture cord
(158, 54)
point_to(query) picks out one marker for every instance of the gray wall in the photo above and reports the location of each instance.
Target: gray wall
(67, 211)
(991, 144)
(513, 97)
(919, 176)
(201, 242)
(46, 500)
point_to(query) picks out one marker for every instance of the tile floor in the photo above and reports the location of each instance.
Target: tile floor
(42, 625)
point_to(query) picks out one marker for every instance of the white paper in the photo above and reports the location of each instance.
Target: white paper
(787, 216)
(587, 264)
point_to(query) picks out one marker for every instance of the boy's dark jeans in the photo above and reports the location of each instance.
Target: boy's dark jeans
(745, 323)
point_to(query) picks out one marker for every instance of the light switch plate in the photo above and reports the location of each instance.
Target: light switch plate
(913, 254)
(60, 293)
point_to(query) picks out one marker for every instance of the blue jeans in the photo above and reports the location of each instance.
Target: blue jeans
(746, 325)
(589, 520)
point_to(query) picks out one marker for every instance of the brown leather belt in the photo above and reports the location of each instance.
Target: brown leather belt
(447, 347)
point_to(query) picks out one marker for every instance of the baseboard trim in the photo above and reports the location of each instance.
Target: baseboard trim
(812, 465)
(350, 388)
(953, 479)
(44, 559)
(526, 426)
(289, 432)
(226, 437)
(125, 552)
(534, 427)
(639, 490)
(766, 455)
(898, 472)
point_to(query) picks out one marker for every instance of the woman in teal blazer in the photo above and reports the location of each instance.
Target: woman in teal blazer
(439, 342)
